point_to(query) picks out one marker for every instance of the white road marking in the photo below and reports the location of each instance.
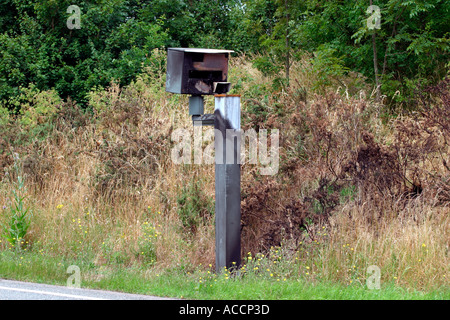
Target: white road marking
(52, 293)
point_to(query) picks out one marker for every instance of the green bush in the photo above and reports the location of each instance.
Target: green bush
(194, 208)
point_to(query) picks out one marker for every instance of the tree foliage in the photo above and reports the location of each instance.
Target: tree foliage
(114, 41)
(412, 44)
(117, 37)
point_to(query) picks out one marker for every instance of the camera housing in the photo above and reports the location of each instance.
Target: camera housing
(197, 71)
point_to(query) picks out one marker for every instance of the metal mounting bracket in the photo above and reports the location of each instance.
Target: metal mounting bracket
(203, 120)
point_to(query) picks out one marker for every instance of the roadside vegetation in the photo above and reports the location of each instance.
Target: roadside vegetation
(356, 187)
(87, 177)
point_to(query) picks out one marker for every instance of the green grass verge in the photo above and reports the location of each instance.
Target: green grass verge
(199, 284)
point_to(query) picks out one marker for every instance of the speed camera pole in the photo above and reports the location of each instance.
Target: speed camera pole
(200, 72)
(227, 125)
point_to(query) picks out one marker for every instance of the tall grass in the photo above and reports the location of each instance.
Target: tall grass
(104, 190)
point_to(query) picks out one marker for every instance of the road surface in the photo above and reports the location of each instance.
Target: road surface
(18, 290)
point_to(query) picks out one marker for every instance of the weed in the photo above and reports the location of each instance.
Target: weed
(193, 207)
(147, 245)
(16, 229)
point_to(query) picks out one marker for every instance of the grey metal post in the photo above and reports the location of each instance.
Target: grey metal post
(227, 125)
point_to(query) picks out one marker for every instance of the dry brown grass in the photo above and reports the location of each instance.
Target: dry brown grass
(410, 247)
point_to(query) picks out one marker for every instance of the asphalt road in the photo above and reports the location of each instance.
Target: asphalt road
(18, 290)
